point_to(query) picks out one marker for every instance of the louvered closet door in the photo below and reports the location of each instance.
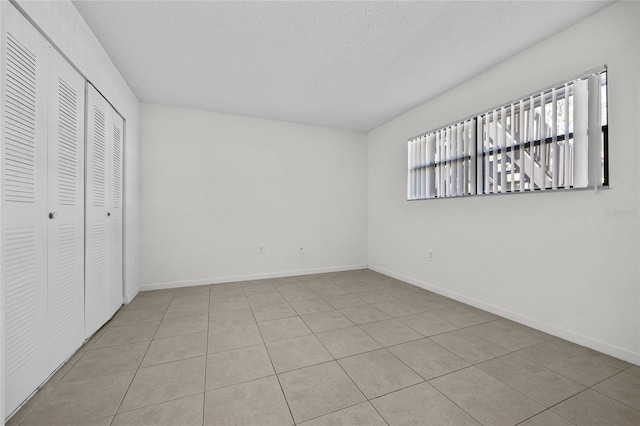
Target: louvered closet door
(114, 213)
(66, 210)
(98, 175)
(24, 207)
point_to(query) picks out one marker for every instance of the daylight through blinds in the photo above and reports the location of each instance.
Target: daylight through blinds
(550, 140)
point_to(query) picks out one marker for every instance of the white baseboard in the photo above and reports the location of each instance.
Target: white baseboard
(236, 278)
(563, 333)
(129, 297)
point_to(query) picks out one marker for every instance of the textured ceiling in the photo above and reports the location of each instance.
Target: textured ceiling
(350, 65)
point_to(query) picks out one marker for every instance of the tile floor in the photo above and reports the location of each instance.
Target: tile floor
(349, 348)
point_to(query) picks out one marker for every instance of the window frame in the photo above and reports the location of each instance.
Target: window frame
(538, 97)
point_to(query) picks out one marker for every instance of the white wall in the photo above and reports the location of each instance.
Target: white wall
(215, 187)
(67, 30)
(551, 260)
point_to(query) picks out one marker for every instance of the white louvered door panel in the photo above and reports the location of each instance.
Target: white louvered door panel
(24, 205)
(97, 249)
(66, 208)
(114, 214)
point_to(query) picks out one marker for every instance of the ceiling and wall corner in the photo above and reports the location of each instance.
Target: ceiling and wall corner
(346, 65)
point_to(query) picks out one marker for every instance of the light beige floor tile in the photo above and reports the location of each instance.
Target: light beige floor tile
(421, 405)
(469, 346)
(225, 339)
(300, 293)
(622, 387)
(432, 301)
(105, 421)
(265, 299)
(184, 412)
(325, 321)
(271, 312)
(257, 289)
(502, 334)
(311, 306)
(590, 354)
(402, 292)
(299, 352)
(318, 390)
(634, 371)
(191, 295)
(354, 286)
(427, 324)
(182, 325)
(291, 285)
(225, 292)
(325, 289)
(378, 372)
(165, 382)
(363, 314)
(186, 309)
(547, 418)
(428, 359)
(344, 301)
(362, 414)
(463, 315)
(390, 332)
(259, 402)
(176, 348)
(136, 316)
(399, 308)
(285, 328)
(485, 398)
(145, 301)
(237, 366)
(135, 304)
(228, 304)
(94, 338)
(537, 334)
(75, 402)
(537, 382)
(374, 296)
(591, 408)
(569, 363)
(122, 335)
(234, 318)
(347, 341)
(107, 361)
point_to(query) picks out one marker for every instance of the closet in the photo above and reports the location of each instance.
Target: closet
(103, 212)
(52, 300)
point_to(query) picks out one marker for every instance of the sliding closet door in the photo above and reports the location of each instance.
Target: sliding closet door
(66, 210)
(114, 214)
(24, 206)
(98, 175)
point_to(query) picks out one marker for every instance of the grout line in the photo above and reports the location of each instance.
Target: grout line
(275, 372)
(138, 369)
(206, 358)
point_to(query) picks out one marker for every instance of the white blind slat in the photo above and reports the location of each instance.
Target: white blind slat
(543, 144)
(554, 138)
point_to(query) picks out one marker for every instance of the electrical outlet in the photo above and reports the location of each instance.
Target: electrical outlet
(260, 249)
(301, 250)
(430, 256)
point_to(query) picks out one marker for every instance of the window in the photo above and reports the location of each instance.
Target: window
(554, 139)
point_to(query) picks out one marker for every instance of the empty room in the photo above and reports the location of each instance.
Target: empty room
(357, 213)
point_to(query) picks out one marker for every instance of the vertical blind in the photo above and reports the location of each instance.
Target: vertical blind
(553, 139)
